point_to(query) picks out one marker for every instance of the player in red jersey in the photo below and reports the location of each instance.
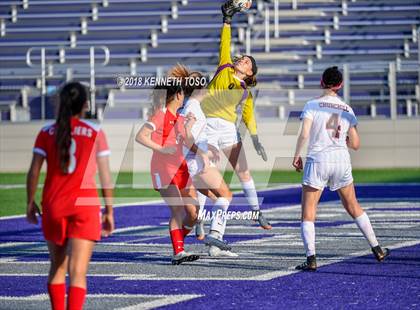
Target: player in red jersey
(165, 133)
(71, 217)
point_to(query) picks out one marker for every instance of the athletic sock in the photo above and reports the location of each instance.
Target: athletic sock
(365, 226)
(186, 230)
(307, 230)
(216, 234)
(202, 202)
(177, 238)
(76, 298)
(251, 194)
(218, 223)
(57, 294)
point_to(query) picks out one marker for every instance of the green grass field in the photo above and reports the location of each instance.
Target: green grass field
(136, 187)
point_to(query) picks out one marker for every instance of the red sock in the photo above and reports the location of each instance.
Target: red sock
(177, 238)
(76, 298)
(57, 294)
(186, 230)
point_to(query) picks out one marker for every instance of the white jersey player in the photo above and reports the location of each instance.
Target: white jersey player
(330, 125)
(327, 150)
(206, 178)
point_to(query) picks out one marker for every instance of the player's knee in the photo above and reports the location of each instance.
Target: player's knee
(58, 264)
(177, 211)
(227, 195)
(77, 271)
(308, 215)
(57, 271)
(59, 267)
(193, 214)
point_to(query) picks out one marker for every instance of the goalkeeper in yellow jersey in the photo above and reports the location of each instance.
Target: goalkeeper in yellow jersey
(228, 102)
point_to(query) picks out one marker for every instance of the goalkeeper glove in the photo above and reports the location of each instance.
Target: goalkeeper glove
(228, 10)
(258, 147)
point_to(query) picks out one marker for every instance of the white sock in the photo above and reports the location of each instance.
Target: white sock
(365, 226)
(251, 194)
(307, 230)
(218, 223)
(216, 235)
(201, 201)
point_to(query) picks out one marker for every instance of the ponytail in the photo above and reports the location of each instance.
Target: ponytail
(251, 81)
(73, 97)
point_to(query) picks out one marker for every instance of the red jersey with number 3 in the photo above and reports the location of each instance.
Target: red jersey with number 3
(169, 131)
(74, 191)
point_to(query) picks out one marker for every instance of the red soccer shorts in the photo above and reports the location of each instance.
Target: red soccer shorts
(162, 178)
(82, 225)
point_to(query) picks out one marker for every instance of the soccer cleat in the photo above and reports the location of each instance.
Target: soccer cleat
(216, 252)
(221, 244)
(309, 265)
(264, 223)
(200, 233)
(183, 257)
(380, 253)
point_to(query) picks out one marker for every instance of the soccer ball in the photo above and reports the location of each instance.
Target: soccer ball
(243, 5)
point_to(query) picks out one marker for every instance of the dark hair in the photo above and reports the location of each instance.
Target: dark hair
(162, 94)
(251, 81)
(331, 77)
(73, 97)
(254, 64)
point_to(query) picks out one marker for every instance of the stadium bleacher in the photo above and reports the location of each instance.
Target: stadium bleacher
(292, 40)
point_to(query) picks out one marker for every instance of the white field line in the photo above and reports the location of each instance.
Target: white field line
(162, 300)
(157, 201)
(262, 277)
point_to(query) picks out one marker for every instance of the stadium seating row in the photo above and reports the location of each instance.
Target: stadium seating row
(292, 40)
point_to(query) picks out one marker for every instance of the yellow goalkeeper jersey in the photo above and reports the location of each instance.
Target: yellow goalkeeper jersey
(227, 95)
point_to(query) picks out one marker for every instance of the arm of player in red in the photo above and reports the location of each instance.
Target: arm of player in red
(107, 186)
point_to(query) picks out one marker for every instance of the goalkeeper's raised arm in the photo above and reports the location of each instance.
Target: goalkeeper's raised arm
(224, 52)
(228, 93)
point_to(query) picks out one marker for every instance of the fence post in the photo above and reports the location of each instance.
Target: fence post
(346, 86)
(276, 19)
(392, 85)
(267, 27)
(43, 84)
(92, 81)
(248, 40)
(418, 65)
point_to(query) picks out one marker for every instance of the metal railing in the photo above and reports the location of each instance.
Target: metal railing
(61, 51)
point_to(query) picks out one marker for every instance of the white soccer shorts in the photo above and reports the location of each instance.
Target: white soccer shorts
(221, 133)
(320, 174)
